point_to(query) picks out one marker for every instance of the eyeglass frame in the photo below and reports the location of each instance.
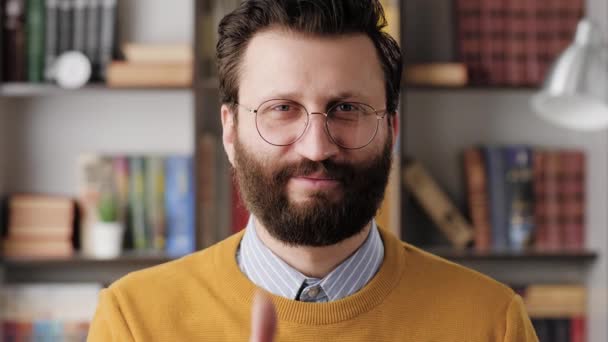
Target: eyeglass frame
(380, 114)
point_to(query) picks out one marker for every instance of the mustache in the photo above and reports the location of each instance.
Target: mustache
(327, 168)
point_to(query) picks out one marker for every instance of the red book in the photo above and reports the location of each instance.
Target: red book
(240, 215)
(546, 191)
(572, 195)
(578, 329)
(477, 190)
(13, 41)
(493, 40)
(468, 19)
(517, 31)
(532, 26)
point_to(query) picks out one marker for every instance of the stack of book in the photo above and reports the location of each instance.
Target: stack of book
(153, 66)
(36, 32)
(154, 196)
(514, 42)
(47, 312)
(558, 312)
(521, 197)
(39, 227)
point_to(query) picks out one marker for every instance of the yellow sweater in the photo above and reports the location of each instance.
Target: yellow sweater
(414, 297)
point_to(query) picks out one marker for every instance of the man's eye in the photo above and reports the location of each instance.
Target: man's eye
(282, 108)
(346, 107)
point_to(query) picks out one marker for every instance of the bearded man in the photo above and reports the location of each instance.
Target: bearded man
(309, 92)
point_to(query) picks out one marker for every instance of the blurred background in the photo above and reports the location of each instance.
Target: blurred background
(111, 157)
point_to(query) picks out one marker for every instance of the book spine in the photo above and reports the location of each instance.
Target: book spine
(93, 26)
(548, 236)
(578, 329)
(468, 37)
(179, 204)
(519, 193)
(437, 205)
(496, 191)
(65, 26)
(479, 208)
(136, 202)
(35, 41)
(51, 47)
(532, 70)
(562, 330)
(2, 49)
(517, 30)
(14, 50)
(79, 28)
(155, 202)
(542, 328)
(572, 196)
(107, 33)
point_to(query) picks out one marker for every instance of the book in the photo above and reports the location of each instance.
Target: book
(39, 226)
(158, 53)
(179, 204)
(107, 34)
(437, 74)
(468, 14)
(533, 26)
(437, 205)
(548, 235)
(35, 40)
(43, 249)
(155, 202)
(493, 40)
(137, 197)
(2, 59)
(79, 33)
(124, 75)
(47, 311)
(93, 27)
(555, 301)
(495, 166)
(51, 48)
(14, 39)
(65, 26)
(519, 193)
(572, 199)
(477, 191)
(517, 30)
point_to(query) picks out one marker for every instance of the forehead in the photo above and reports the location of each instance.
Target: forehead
(279, 61)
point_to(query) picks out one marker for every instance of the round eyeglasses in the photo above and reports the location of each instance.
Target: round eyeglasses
(350, 125)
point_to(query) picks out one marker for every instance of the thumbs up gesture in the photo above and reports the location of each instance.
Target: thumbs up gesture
(263, 319)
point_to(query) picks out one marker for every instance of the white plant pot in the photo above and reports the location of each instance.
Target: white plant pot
(105, 239)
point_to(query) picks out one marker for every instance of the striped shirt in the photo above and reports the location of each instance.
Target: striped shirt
(268, 271)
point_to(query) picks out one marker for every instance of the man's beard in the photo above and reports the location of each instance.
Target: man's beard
(320, 221)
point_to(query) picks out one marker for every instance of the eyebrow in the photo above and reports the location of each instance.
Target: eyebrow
(329, 99)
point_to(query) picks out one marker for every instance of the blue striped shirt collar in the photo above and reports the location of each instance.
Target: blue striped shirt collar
(268, 271)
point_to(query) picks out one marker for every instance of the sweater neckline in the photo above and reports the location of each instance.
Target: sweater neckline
(242, 291)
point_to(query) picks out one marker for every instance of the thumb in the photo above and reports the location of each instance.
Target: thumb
(263, 319)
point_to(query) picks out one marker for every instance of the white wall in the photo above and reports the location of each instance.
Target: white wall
(157, 21)
(48, 134)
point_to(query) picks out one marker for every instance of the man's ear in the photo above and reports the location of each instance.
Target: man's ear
(228, 131)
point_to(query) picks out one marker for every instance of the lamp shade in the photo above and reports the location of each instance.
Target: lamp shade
(575, 92)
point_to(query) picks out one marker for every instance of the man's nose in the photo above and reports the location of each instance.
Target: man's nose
(315, 144)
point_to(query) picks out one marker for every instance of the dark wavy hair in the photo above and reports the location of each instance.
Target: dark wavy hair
(317, 17)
